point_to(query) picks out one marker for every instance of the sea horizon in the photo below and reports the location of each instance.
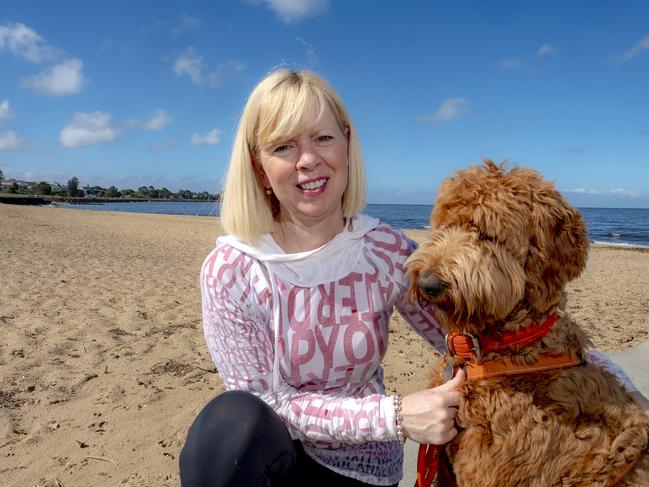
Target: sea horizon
(624, 227)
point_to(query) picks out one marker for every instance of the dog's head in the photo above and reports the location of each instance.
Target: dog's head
(501, 242)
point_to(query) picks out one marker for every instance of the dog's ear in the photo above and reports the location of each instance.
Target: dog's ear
(558, 244)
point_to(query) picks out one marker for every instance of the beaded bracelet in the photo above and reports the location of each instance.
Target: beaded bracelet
(401, 436)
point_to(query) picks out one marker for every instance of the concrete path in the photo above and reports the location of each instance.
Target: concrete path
(410, 464)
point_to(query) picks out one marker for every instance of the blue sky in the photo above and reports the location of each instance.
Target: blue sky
(129, 93)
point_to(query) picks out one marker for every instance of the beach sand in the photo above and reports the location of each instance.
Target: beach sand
(102, 361)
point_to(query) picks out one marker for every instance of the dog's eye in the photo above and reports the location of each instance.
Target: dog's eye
(430, 285)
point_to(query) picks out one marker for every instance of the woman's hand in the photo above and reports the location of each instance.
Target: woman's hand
(429, 415)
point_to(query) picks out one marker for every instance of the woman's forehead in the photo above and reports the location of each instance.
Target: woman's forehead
(288, 122)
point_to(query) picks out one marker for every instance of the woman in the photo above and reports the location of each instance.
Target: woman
(296, 303)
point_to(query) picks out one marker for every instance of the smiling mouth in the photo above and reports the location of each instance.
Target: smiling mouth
(313, 185)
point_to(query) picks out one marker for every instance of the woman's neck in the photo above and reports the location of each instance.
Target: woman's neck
(295, 236)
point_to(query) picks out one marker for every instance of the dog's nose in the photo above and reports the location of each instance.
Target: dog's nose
(430, 284)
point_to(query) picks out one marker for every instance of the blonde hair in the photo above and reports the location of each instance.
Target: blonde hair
(281, 106)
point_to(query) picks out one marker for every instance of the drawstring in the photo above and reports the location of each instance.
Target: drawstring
(276, 330)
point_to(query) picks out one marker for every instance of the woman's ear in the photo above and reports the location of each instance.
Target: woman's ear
(259, 171)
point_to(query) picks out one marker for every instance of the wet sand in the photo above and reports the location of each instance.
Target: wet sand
(102, 360)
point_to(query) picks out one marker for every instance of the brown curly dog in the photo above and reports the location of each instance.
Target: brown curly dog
(503, 245)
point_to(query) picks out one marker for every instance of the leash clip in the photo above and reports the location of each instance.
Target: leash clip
(476, 346)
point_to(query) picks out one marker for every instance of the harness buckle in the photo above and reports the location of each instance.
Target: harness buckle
(449, 344)
(476, 345)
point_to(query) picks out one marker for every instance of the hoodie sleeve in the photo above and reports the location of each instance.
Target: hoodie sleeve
(597, 357)
(237, 309)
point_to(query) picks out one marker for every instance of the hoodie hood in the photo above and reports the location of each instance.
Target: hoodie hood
(330, 262)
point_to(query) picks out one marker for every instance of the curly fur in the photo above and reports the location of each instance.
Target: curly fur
(504, 244)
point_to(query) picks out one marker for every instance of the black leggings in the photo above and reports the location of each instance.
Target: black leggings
(238, 440)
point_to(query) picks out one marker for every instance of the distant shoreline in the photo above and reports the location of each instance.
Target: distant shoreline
(23, 199)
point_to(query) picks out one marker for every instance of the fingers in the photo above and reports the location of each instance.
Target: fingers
(442, 433)
(454, 384)
(444, 399)
(447, 436)
(429, 415)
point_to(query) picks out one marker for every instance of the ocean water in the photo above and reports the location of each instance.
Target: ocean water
(615, 226)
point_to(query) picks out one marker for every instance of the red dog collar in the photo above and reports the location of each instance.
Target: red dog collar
(466, 345)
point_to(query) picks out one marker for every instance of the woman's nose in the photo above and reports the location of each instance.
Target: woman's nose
(308, 157)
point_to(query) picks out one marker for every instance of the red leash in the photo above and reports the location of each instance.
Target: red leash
(427, 464)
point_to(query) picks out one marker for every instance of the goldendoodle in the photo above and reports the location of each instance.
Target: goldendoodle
(502, 247)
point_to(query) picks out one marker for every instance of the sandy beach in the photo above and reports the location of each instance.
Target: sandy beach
(102, 360)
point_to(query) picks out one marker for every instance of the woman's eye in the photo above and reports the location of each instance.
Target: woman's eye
(325, 138)
(282, 149)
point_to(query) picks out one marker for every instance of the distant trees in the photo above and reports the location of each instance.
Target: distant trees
(43, 188)
(147, 192)
(73, 188)
(111, 192)
(185, 194)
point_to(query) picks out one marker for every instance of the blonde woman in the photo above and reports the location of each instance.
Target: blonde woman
(296, 305)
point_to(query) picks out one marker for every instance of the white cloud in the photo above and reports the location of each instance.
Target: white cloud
(192, 64)
(159, 120)
(546, 49)
(511, 63)
(88, 129)
(640, 47)
(132, 124)
(61, 79)
(213, 137)
(25, 43)
(629, 193)
(11, 140)
(224, 73)
(451, 109)
(290, 11)
(187, 23)
(108, 44)
(5, 110)
(164, 144)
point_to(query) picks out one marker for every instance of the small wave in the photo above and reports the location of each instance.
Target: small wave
(615, 235)
(619, 244)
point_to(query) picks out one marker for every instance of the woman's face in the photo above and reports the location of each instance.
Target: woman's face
(308, 173)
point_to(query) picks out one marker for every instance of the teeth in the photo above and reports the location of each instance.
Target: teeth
(313, 184)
